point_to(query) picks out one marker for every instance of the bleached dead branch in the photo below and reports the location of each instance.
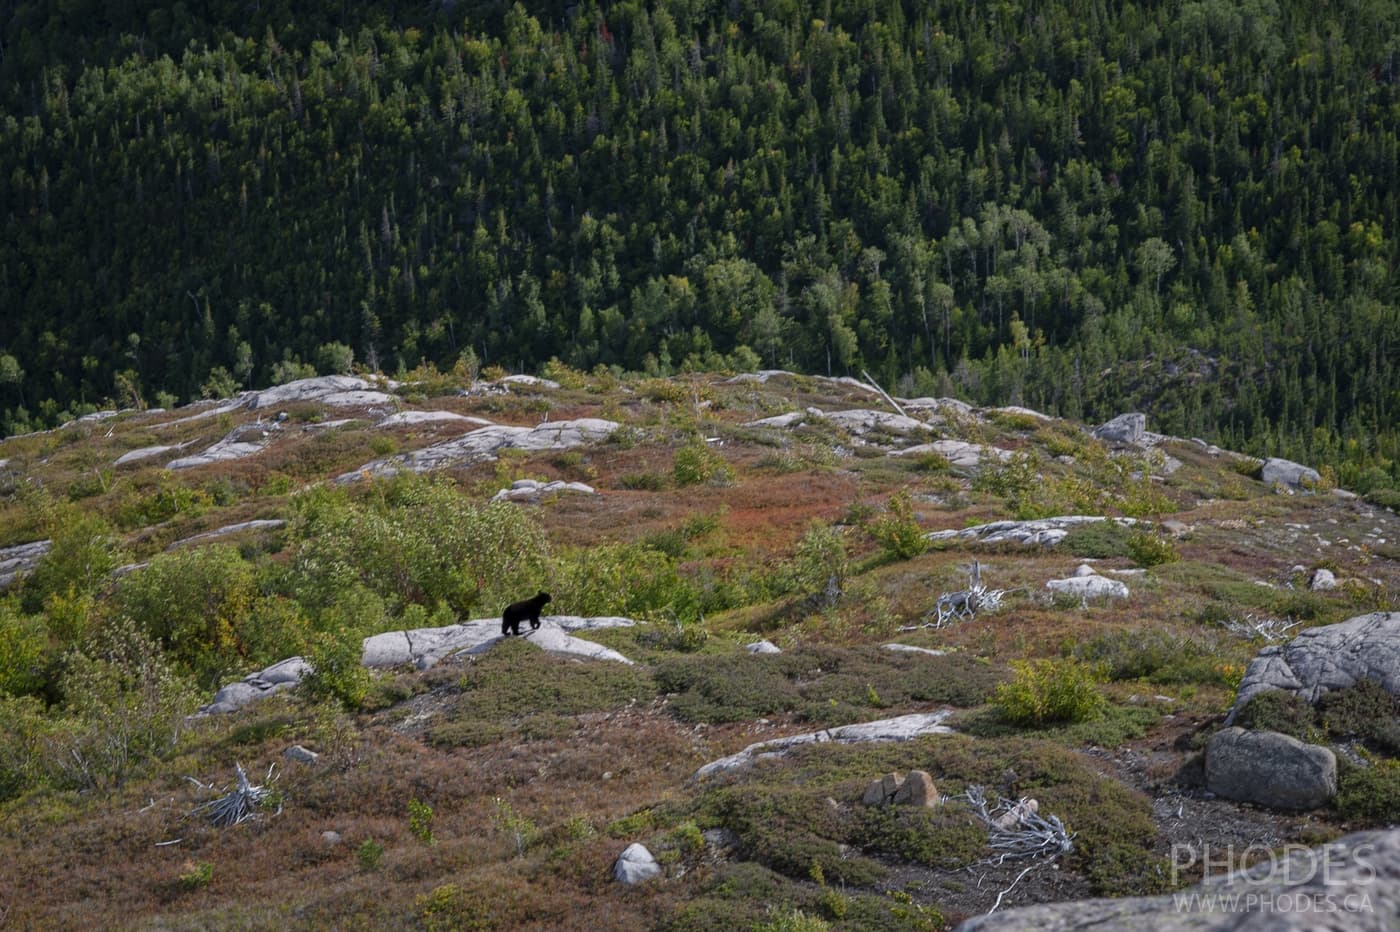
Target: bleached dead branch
(1016, 830)
(240, 804)
(1271, 630)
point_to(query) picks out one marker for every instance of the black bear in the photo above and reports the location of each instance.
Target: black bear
(516, 612)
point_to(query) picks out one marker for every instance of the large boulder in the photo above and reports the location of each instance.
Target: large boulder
(1270, 769)
(1125, 428)
(1288, 474)
(1327, 658)
(1350, 885)
(1089, 586)
(635, 864)
(17, 561)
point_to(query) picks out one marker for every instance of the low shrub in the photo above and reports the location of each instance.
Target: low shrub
(1148, 549)
(1098, 540)
(1047, 691)
(1370, 793)
(696, 464)
(1276, 710)
(897, 531)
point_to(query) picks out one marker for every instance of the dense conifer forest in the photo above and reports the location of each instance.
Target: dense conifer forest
(1188, 208)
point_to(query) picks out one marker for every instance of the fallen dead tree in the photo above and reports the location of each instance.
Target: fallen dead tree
(242, 803)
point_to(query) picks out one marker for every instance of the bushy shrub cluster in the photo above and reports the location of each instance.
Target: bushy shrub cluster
(1043, 692)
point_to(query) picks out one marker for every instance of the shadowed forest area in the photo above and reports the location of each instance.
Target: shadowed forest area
(1186, 208)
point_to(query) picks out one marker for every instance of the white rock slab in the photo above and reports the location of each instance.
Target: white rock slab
(958, 452)
(764, 647)
(313, 389)
(1042, 531)
(485, 442)
(240, 442)
(262, 524)
(355, 399)
(20, 559)
(901, 728)
(1091, 586)
(911, 649)
(414, 418)
(132, 456)
(424, 647)
(532, 490)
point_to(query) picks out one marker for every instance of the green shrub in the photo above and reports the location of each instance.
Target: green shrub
(336, 672)
(418, 541)
(124, 704)
(620, 579)
(80, 561)
(197, 875)
(1371, 793)
(643, 481)
(1365, 710)
(1163, 657)
(819, 564)
(24, 648)
(24, 730)
(1048, 691)
(696, 464)
(1276, 710)
(946, 837)
(1148, 549)
(420, 821)
(369, 854)
(195, 603)
(897, 531)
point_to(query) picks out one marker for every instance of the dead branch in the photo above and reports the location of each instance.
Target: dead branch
(240, 804)
(876, 385)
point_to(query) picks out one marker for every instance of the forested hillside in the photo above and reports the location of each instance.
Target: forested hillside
(1188, 208)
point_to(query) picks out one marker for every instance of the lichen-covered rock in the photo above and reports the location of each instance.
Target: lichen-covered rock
(17, 561)
(764, 647)
(483, 444)
(1270, 769)
(958, 453)
(238, 443)
(1327, 658)
(424, 647)
(1288, 474)
(1125, 428)
(1323, 580)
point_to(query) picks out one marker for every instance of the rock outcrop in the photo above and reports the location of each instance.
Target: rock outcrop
(484, 442)
(236, 444)
(424, 647)
(532, 490)
(901, 728)
(1089, 586)
(896, 789)
(1327, 658)
(17, 561)
(959, 453)
(261, 524)
(1350, 885)
(1270, 769)
(1042, 531)
(1125, 428)
(1288, 474)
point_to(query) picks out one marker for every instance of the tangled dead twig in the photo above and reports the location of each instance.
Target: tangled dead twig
(240, 804)
(1016, 830)
(1271, 630)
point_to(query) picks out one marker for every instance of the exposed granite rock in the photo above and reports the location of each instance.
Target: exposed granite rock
(264, 524)
(958, 453)
(1089, 586)
(1270, 769)
(910, 649)
(1125, 428)
(1042, 531)
(415, 418)
(1323, 580)
(242, 441)
(1350, 885)
(764, 647)
(321, 388)
(533, 490)
(1327, 658)
(424, 647)
(484, 442)
(1289, 474)
(635, 864)
(133, 456)
(901, 728)
(19, 560)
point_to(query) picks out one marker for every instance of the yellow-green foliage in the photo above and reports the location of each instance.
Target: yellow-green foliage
(1045, 691)
(897, 531)
(695, 463)
(415, 540)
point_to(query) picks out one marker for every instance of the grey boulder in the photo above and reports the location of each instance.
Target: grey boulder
(1270, 769)
(1327, 658)
(635, 864)
(1125, 428)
